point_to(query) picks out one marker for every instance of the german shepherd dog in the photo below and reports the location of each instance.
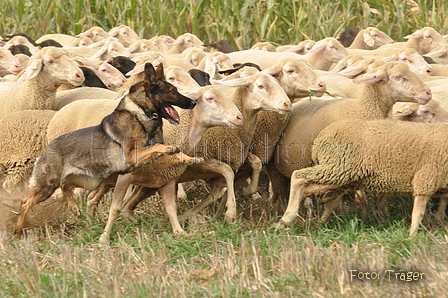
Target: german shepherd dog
(127, 138)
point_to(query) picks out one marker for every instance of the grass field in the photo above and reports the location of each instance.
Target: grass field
(363, 253)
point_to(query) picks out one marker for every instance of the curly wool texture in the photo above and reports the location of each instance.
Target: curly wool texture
(22, 139)
(384, 156)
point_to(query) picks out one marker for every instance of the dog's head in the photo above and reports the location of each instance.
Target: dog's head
(162, 95)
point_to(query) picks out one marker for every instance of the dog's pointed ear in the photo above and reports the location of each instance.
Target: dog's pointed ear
(150, 73)
(159, 70)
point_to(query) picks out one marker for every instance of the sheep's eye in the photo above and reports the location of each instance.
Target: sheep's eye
(171, 79)
(290, 71)
(374, 35)
(260, 87)
(210, 99)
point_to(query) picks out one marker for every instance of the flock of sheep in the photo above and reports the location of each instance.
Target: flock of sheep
(322, 116)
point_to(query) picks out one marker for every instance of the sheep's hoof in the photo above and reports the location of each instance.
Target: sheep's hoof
(230, 218)
(280, 225)
(104, 239)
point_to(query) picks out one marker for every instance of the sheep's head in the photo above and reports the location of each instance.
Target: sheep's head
(297, 78)
(9, 63)
(375, 38)
(213, 108)
(56, 65)
(426, 40)
(397, 82)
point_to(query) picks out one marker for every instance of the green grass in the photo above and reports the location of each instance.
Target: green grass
(241, 22)
(244, 259)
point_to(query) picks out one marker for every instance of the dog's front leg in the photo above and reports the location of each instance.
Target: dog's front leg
(137, 156)
(178, 158)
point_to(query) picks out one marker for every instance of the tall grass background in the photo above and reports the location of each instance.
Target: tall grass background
(241, 22)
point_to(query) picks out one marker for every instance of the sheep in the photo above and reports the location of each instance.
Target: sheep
(19, 49)
(376, 155)
(264, 46)
(324, 53)
(185, 41)
(298, 80)
(193, 55)
(346, 62)
(382, 87)
(141, 46)
(16, 40)
(63, 39)
(423, 41)
(432, 112)
(111, 77)
(123, 64)
(415, 61)
(8, 63)
(222, 46)
(162, 43)
(263, 92)
(212, 63)
(301, 48)
(82, 41)
(65, 97)
(439, 54)
(30, 39)
(110, 49)
(347, 36)
(125, 34)
(48, 69)
(22, 139)
(95, 34)
(370, 38)
(201, 77)
(49, 43)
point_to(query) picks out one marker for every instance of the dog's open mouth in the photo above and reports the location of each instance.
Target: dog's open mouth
(170, 114)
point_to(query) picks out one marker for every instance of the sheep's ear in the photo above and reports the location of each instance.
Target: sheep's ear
(194, 95)
(402, 112)
(136, 70)
(368, 39)
(416, 34)
(235, 82)
(32, 70)
(353, 70)
(389, 59)
(100, 52)
(295, 49)
(319, 46)
(210, 67)
(370, 78)
(273, 70)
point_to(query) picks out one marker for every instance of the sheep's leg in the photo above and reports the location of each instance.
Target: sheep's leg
(256, 165)
(441, 211)
(123, 182)
(216, 186)
(168, 193)
(278, 185)
(67, 192)
(138, 195)
(418, 212)
(330, 207)
(300, 188)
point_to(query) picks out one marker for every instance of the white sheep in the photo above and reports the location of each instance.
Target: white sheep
(212, 63)
(95, 34)
(82, 41)
(382, 87)
(125, 34)
(431, 112)
(65, 97)
(8, 63)
(142, 45)
(301, 48)
(22, 139)
(264, 46)
(48, 69)
(370, 38)
(378, 156)
(193, 55)
(63, 39)
(185, 41)
(323, 54)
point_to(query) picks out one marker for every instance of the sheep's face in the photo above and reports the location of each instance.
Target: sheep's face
(222, 62)
(375, 38)
(428, 39)
(62, 69)
(415, 61)
(298, 80)
(331, 49)
(8, 62)
(267, 93)
(111, 76)
(397, 82)
(180, 78)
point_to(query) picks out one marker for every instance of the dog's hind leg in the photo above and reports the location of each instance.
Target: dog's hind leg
(67, 191)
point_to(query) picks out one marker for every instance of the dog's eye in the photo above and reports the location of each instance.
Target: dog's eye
(155, 116)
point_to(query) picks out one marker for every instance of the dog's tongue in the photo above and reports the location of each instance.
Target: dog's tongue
(172, 112)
